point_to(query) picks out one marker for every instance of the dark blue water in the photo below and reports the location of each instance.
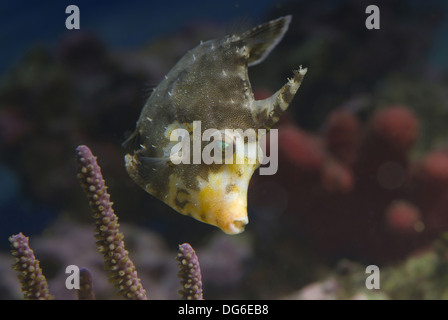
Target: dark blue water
(119, 23)
(135, 22)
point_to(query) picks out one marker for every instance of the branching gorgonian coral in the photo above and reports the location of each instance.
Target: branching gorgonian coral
(109, 239)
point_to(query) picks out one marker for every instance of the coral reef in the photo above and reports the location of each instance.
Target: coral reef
(421, 276)
(357, 191)
(121, 270)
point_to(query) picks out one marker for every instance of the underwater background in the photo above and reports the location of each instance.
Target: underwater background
(363, 148)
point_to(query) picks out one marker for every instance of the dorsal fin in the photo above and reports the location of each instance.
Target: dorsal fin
(263, 38)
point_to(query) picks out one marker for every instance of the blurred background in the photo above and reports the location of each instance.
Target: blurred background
(363, 148)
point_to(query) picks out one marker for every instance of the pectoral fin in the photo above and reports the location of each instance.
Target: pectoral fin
(133, 142)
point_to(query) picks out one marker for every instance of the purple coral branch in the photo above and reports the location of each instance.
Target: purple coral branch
(34, 283)
(122, 271)
(189, 273)
(85, 291)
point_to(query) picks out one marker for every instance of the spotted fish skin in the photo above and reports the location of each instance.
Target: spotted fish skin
(209, 84)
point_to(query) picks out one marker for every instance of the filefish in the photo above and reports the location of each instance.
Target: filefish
(210, 84)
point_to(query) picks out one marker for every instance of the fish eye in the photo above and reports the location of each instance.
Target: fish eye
(226, 146)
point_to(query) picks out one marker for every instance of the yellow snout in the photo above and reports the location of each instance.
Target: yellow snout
(224, 206)
(220, 201)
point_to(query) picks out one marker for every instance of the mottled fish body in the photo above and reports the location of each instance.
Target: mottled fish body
(209, 85)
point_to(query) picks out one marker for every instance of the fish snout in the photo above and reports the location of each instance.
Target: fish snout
(224, 208)
(235, 221)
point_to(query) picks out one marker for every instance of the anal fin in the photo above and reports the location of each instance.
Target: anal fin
(268, 111)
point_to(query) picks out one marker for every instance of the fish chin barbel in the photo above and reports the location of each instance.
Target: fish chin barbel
(209, 84)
